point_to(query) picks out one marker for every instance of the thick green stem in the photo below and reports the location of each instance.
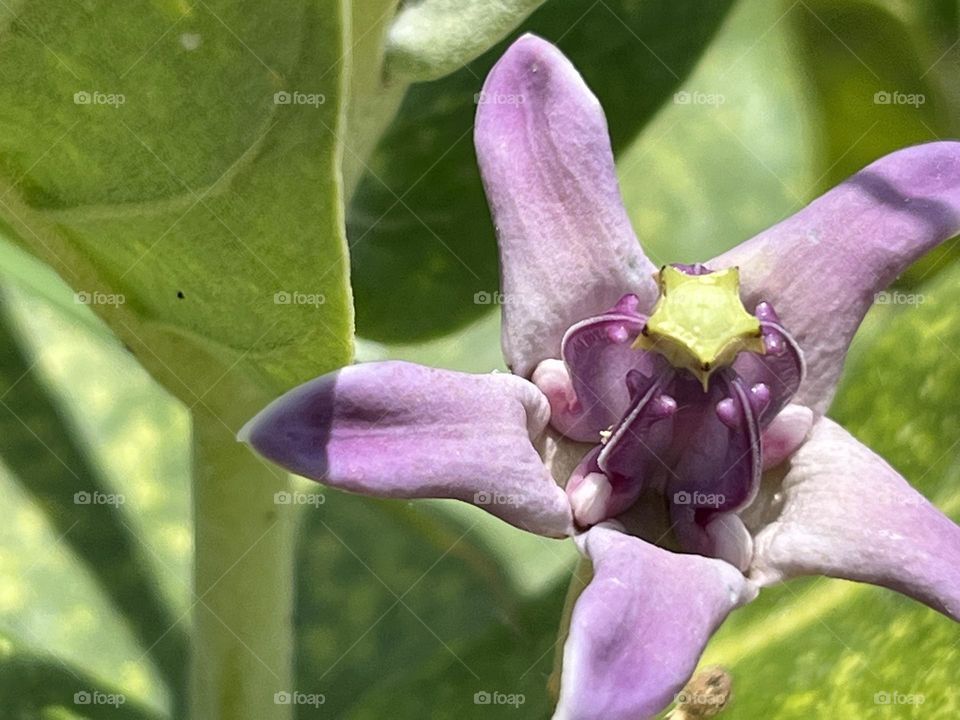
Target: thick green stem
(242, 621)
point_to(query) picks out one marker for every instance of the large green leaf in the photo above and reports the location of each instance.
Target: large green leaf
(38, 686)
(503, 673)
(373, 98)
(783, 101)
(185, 158)
(45, 453)
(885, 77)
(874, 93)
(731, 155)
(847, 642)
(92, 585)
(387, 587)
(26, 273)
(420, 233)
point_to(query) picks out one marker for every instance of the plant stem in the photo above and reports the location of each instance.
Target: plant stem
(242, 649)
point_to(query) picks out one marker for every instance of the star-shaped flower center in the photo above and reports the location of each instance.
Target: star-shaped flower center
(699, 322)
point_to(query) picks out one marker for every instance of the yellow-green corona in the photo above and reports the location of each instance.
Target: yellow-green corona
(699, 323)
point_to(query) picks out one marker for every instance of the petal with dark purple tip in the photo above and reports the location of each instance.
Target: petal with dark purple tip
(842, 511)
(567, 250)
(640, 626)
(822, 267)
(395, 429)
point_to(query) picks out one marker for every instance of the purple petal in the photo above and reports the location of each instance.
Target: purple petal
(781, 369)
(395, 429)
(588, 390)
(590, 492)
(842, 511)
(639, 628)
(785, 434)
(719, 471)
(822, 267)
(567, 250)
(635, 454)
(723, 536)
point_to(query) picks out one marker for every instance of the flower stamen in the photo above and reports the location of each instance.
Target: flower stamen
(699, 322)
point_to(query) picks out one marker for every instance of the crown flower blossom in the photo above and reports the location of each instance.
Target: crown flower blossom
(671, 419)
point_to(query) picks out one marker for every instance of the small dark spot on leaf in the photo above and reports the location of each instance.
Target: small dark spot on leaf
(180, 294)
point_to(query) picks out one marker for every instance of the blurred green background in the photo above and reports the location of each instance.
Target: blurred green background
(726, 117)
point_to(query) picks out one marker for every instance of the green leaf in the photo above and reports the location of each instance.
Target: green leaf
(421, 239)
(432, 38)
(849, 642)
(474, 348)
(874, 93)
(885, 78)
(828, 648)
(744, 113)
(373, 98)
(385, 587)
(784, 103)
(162, 170)
(26, 273)
(35, 685)
(43, 451)
(512, 660)
(96, 586)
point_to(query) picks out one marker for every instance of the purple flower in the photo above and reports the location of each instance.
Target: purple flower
(682, 408)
